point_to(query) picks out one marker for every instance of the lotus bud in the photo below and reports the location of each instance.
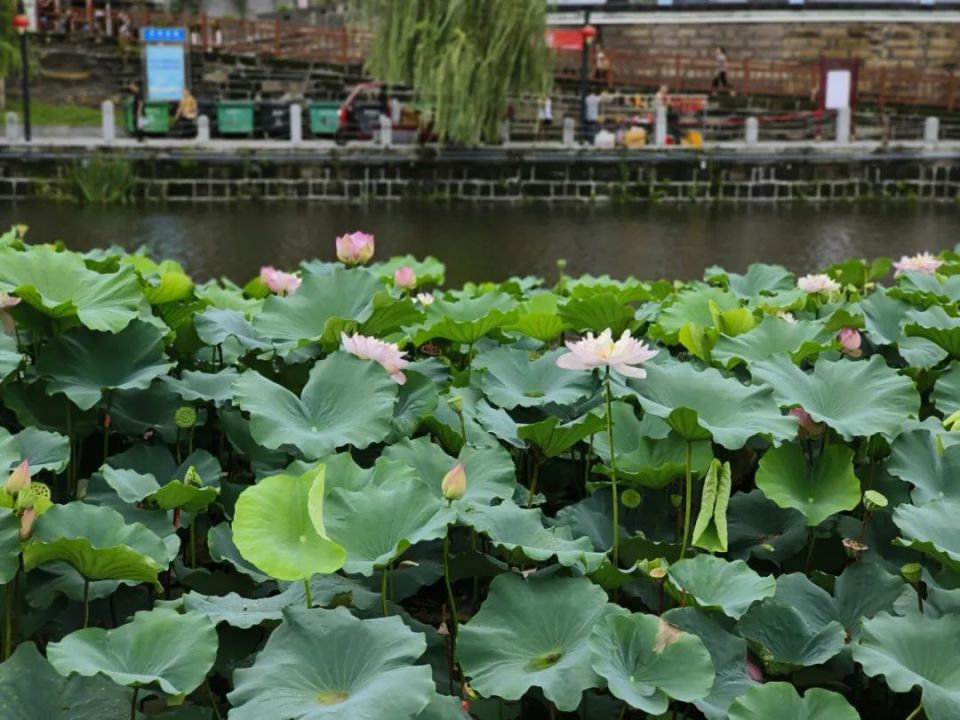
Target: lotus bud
(185, 417)
(454, 485)
(405, 278)
(19, 479)
(27, 519)
(561, 264)
(192, 477)
(873, 500)
(456, 404)
(808, 426)
(952, 423)
(854, 548)
(850, 340)
(355, 248)
(912, 572)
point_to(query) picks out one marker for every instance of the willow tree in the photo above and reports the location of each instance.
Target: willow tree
(464, 59)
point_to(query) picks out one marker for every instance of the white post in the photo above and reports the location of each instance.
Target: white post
(386, 131)
(505, 132)
(296, 124)
(931, 130)
(660, 131)
(108, 122)
(13, 127)
(843, 126)
(753, 131)
(569, 132)
(203, 129)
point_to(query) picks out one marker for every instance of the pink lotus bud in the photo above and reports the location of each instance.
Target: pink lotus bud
(808, 426)
(27, 519)
(8, 301)
(355, 248)
(454, 485)
(279, 282)
(405, 278)
(20, 478)
(754, 671)
(849, 339)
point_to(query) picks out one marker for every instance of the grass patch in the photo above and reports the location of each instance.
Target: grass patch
(42, 113)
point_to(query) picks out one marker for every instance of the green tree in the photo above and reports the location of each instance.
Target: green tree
(9, 47)
(463, 58)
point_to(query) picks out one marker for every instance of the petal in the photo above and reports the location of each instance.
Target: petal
(398, 377)
(630, 371)
(571, 361)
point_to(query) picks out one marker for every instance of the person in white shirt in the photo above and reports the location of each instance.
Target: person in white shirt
(544, 115)
(591, 115)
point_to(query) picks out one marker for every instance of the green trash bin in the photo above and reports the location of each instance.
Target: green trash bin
(324, 118)
(157, 116)
(235, 117)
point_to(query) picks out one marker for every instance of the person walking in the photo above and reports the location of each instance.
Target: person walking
(720, 70)
(591, 115)
(544, 115)
(139, 114)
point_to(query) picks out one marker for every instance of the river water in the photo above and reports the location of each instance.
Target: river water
(492, 242)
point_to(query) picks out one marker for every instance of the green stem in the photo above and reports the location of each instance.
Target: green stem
(133, 704)
(533, 482)
(106, 430)
(475, 598)
(451, 600)
(308, 592)
(383, 592)
(623, 711)
(86, 603)
(613, 475)
(193, 541)
(687, 500)
(213, 700)
(916, 712)
(810, 545)
(463, 427)
(71, 468)
(587, 461)
(8, 604)
(179, 456)
(190, 441)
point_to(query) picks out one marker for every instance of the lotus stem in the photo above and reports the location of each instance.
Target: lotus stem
(451, 600)
(133, 704)
(586, 462)
(106, 429)
(810, 545)
(86, 603)
(190, 441)
(308, 592)
(916, 712)
(687, 500)
(623, 712)
(213, 700)
(463, 427)
(10, 600)
(383, 592)
(533, 482)
(193, 541)
(613, 474)
(71, 466)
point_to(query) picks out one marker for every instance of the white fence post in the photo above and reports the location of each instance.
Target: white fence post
(843, 126)
(108, 122)
(203, 129)
(505, 132)
(931, 130)
(13, 127)
(569, 132)
(660, 131)
(386, 131)
(752, 131)
(296, 124)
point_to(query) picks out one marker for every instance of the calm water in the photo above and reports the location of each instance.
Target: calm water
(491, 243)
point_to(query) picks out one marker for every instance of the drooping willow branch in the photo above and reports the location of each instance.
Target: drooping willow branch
(463, 59)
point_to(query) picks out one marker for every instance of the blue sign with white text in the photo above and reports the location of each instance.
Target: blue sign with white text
(165, 72)
(163, 35)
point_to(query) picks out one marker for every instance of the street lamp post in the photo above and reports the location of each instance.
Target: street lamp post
(588, 32)
(21, 22)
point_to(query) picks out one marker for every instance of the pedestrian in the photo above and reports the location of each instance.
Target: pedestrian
(720, 70)
(185, 119)
(139, 116)
(591, 115)
(544, 115)
(662, 100)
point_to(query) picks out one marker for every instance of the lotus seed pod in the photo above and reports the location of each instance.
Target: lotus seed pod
(658, 575)
(873, 500)
(185, 417)
(454, 484)
(561, 264)
(19, 479)
(912, 572)
(192, 477)
(854, 548)
(631, 498)
(456, 404)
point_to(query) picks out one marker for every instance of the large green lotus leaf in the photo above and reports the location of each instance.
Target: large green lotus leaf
(863, 590)
(513, 379)
(390, 315)
(645, 455)
(729, 655)
(936, 325)
(713, 582)
(222, 549)
(928, 287)
(135, 412)
(798, 627)
(45, 450)
(946, 392)
(772, 337)
(60, 285)
(517, 530)
(376, 524)
(9, 545)
(884, 316)
(428, 271)
(215, 326)
(828, 486)
(598, 312)
(444, 707)
(760, 278)
(490, 471)
(720, 406)
(10, 357)
(931, 529)
(468, 319)
(196, 386)
(273, 529)
(539, 318)
(159, 646)
(132, 487)
(915, 651)
(445, 424)
(758, 527)
(855, 398)
(554, 437)
(370, 676)
(646, 661)
(780, 700)
(97, 542)
(691, 306)
(82, 363)
(30, 689)
(416, 400)
(927, 461)
(303, 316)
(534, 633)
(346, 401)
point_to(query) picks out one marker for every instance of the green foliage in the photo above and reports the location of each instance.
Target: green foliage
(102, 180)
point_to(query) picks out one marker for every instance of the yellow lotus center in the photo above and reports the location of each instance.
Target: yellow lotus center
(331, 697)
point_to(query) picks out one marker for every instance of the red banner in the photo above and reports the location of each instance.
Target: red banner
(565, 39)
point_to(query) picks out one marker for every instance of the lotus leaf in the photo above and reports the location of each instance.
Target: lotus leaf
(554, 437)
(712, 582)
(45, 450)
(930, 461)
(780, 700)
(513, 379)
(694, 307)
(597, 312)
(195, 386)
(936, 325)
(760, 528)
(771, 337)
(468, 319)
(10, 357)
(931, 529)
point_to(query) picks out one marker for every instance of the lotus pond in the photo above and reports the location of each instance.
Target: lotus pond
(350, 492)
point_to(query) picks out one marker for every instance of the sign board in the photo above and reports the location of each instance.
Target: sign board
(565, 39)
(164, 63)
(32, 11)
(837, 90)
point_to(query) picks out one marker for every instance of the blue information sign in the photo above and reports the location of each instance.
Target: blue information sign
(165, 72)
(163, 35)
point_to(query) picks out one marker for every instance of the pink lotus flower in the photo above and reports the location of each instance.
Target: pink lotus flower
(405, 278)
(820, 284)
(754, 671)
(19, 479)
(593, 352)
(8, 301)
(371, 348)
(850, 340)
(27, 519)
(787, 316)
(279, 282)
(924, 262)
(424, 299)
(454, 484)
(808, 426)
(355, 248)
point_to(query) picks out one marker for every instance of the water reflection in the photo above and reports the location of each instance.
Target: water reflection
(493, 242)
